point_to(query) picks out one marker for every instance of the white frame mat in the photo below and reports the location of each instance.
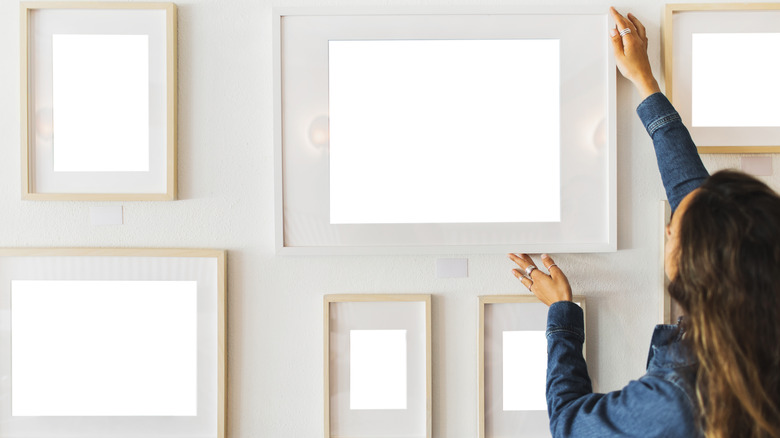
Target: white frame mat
(497, 314)
(204, 267)
(45, 24)
(681, 22)
(301, 132)
(344, 314)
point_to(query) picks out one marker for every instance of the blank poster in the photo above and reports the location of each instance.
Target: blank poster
(525, 370)
(441, 131)
(377, 369)
(100, 103)
(104, 348)
(734, 79)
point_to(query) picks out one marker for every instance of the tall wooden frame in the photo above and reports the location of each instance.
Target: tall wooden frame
(500, 299)
(166, 192)
(375, 298)
(668, 43)
(220, 300)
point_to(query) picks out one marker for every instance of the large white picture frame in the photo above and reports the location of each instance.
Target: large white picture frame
(583, 180)
(98, 101)
(101, 343)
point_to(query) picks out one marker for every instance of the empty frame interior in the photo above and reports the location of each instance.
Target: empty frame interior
(420, 96)
(719, 77)
(112, 343)
(409, 132)
(513, 366)
(377, 366)
(98, 101)
(122, 348)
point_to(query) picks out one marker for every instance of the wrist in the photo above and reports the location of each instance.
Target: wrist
(647, 87)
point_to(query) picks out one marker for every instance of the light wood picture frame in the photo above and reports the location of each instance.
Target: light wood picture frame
(724, 132)
(513, 314)
(164, 311)
(98, 101)
(306, 192)
(407, 319)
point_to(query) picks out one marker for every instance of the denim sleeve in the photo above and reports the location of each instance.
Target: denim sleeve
(648, 407)
(678, 160)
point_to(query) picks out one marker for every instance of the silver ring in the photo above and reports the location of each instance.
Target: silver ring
(625, 31)
(550, 267)
(529, 269)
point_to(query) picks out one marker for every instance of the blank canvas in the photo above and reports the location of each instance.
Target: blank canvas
(735, 79)
(524, 370)
(100, 103)
(377, 361)
(104, 348)
(438, 131)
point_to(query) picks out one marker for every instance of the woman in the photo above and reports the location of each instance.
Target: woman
(716, 374)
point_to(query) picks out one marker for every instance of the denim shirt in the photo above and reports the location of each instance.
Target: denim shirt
(662, 402)
(678, 160)
(658, 404)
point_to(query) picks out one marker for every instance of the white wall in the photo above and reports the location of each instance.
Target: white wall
(275, 303)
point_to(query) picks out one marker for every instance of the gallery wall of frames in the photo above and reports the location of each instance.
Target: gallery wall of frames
(334, 154)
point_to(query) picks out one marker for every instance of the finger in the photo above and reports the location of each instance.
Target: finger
(527, 282)
(622, 22)
(640, 28)
(522, 262)
(552, 268)
(617, 41)
(530, 262)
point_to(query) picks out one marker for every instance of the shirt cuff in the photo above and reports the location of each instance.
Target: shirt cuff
(656, 111)
(566, 317)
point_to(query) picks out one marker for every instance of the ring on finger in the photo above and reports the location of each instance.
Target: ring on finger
(529, 269)
(550, 267)
(625, 31)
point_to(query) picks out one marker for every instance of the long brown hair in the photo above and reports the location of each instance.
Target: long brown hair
(728, 284)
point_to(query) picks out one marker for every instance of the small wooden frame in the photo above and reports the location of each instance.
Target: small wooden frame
(116, 139)
(197, 275)
(681, 22)
(346, 314)
(532, 421)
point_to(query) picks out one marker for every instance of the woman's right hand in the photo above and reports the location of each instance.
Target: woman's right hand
(631, 53)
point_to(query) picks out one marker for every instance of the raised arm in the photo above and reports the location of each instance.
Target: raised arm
(678, 161)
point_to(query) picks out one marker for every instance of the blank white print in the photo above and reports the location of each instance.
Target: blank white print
(439, 131)
(734, 79)
(100, 103)
(104, 348)
(377, 369)
(524, 370)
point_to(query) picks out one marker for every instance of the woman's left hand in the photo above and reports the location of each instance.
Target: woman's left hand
(548, 288)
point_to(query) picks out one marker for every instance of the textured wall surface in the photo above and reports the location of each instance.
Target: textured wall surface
(275, 303)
